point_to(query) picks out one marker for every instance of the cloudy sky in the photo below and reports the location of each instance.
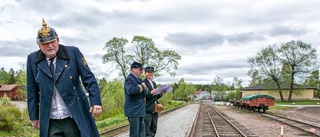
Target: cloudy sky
(213, 37)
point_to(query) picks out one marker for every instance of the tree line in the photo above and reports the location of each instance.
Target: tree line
(294, 62)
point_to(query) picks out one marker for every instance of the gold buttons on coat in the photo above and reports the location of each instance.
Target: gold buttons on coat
(65, 66)
(70, 77)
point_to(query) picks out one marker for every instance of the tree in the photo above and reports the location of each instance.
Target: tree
(4, 76)
(149, 55)
(117, 54)
(300, 57)
(179, 91)
(237, 84)
(266, 65)
(112, 97)
(12, 79)
(219, 87)
(144, 51)
(313, 79)
(183, 90)
(201, 87)
(21, 79)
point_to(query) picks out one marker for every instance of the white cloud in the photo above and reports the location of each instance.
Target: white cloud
(214, 38)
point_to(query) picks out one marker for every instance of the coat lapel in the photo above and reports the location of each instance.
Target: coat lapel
(44, 67)
(148, 84)
(60, 65)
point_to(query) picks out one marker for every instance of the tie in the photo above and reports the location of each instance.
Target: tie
(52, 72)
(52, 67)
(151, 84)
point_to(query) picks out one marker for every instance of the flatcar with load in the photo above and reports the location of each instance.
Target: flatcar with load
(256, 102)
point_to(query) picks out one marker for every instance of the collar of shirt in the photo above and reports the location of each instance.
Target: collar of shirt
(151, 83)
(48, 60)
(135, 75)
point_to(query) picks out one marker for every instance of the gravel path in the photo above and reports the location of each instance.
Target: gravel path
(176, 123)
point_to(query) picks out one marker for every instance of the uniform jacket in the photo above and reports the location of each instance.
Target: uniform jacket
(134, 105)
(70, 66)
(151, 99)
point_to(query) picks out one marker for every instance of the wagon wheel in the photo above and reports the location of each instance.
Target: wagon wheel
(264, 109)
(253, 109)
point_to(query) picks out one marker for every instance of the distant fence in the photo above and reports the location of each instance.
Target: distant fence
(215, 102)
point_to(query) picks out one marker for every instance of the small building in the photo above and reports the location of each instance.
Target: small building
(202, 95)
(301, 92)
(10, 90)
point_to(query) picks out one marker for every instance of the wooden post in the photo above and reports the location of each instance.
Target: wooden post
(281, 132)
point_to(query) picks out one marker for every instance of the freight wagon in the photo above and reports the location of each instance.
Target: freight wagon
(255, 102)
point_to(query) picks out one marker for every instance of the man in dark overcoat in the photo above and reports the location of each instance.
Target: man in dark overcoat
(151, 118)
(134, 106)
(57, 104)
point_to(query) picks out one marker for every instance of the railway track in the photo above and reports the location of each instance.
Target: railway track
(211, 123)
(125, 127)
(309, 128)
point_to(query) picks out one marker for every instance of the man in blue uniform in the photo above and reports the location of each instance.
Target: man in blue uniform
(151, 118)
(134, 107)
(57, 105)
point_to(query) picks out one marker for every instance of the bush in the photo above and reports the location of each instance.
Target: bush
(10, 118)
(14, 122)
(5, 101)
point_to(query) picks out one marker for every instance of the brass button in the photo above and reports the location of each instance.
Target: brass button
(70, 77)
(65, 66)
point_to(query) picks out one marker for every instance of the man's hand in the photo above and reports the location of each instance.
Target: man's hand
(95, 110)
(144, 85)
(163, 91)
(35, 124)
(154, 91)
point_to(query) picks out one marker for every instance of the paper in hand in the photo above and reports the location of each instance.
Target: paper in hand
(167, 88)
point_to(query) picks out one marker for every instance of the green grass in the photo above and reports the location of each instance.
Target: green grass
(298, 102)
(280, 108)
(111, 123)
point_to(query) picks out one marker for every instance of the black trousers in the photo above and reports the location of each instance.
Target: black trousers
(66, 127)
(137, 128)
(151, 121)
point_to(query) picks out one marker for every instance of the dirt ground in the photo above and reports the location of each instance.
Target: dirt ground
(22, 105)
(268, 128)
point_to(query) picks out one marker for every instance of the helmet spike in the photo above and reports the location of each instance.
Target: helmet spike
(44, 24)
